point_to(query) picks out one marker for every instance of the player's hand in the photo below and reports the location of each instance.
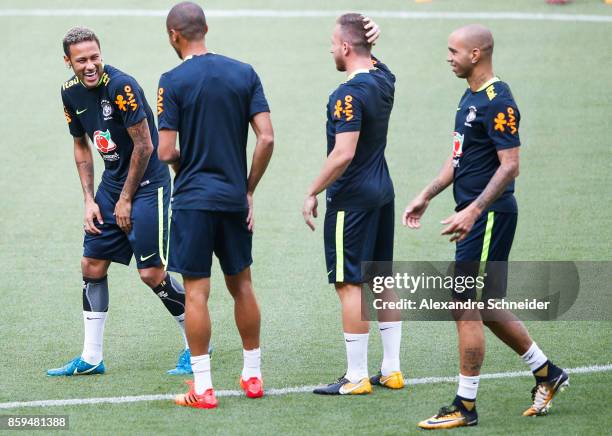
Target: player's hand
(414, 211)
(373, 31)
(310, 210)
(460, 224)
(250, 216)
(123, 212)
(92, 211)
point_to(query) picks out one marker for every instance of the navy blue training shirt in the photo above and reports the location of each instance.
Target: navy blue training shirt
(104, 113)
(362, 104)
(210, 100)
(487, 121)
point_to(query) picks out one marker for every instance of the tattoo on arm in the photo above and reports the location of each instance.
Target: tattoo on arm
(496, 186)
(440, 183)
(86, 171)
(435, 188)
(143, 147)
(85, 166)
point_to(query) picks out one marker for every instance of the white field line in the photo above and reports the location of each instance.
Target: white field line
(277, 391)
(270, 13)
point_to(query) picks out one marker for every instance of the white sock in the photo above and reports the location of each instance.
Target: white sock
(391, 335)
(252, 363)
(356, 356)
(94, 336)
(201, 373)
(181, 322)
(534, 357)
(468, 386)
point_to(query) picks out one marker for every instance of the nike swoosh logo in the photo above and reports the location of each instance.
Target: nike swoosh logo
(329, 272)
(386, 328)
(76, 370)
(445, 421)
(92, 318)
(458, 108)
(80, 111)
(142, 259)
(351, 340)
(347, 390)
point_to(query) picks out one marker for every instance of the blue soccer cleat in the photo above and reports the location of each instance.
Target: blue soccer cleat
(77, 366)
(183, 366)
(343, 386)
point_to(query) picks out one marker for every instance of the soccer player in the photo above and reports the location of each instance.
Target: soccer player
(482, 169)
(360, 198)
(209, 101)
(128, 214)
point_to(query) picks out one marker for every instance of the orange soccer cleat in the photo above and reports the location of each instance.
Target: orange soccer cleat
(207, 400)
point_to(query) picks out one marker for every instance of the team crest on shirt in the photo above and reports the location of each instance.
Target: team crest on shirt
(471, 116)
(107, 109)
(457, 148)
(105, 145)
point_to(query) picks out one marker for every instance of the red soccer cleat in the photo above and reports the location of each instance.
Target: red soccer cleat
(253, 387)
(207, 400)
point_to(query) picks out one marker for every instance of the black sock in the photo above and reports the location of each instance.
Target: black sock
(546, 372)
(172, 294)
(465, 404)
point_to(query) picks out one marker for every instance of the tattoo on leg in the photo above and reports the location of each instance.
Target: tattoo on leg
(472, 359)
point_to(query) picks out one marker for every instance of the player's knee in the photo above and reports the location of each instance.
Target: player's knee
(152, 276)
(94, 268)
(471, 329)
(241, 289)
(490, 324)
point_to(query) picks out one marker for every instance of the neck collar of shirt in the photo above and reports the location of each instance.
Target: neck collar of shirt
(488, 83)
(191, 56)
(359, 71)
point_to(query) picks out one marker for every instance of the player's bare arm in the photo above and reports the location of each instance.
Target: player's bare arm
(508, 171)
(143, 147)
(460, 223)
(167, 151)
(85, 166)
(262, 126)
(416, 208)
(336, 163)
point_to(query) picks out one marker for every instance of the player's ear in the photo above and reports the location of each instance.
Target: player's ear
(172, 34)
(67, 62)
(475, 55)
(205, 29)
(345, 48)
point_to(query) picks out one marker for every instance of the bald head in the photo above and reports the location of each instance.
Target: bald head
(188, 19)
(475, 36)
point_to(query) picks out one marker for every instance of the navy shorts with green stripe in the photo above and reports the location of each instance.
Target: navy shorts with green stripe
(147, 241)
(355, 236)
(490, 240)
(196, 234)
